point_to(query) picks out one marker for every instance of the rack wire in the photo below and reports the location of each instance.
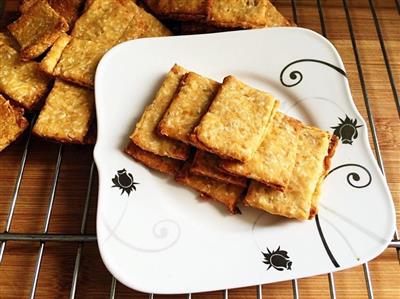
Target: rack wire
(82, 238)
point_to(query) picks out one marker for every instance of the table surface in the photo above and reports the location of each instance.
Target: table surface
(17, 267)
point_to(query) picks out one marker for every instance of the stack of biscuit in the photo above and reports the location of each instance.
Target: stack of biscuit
(228, 141)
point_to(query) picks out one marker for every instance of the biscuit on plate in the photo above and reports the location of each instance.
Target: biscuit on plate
(145, 133)
(236, 121)
(21, 81)
(37, 29)
(227, 194)
(273, 162)
(52, 57)
(181, 9)
(190, 102)
(104, 20)
(69, 9)
(142, 25)
(67, 113)
(78, 61)
(12, 123)
(296, 200)
(237, 13)
(274, 18)
(207, 164)
(163, 164)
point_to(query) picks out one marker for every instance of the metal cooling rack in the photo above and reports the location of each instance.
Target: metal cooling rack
(82, 238)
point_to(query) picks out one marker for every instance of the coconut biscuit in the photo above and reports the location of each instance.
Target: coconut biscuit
(274, 160)
(163, 164)
(51, 59)
(189, 104)
(12, 123)
(237, 120)
(182, 9)
(296, 200)
(37, 29)
(145, 133)
(67, 114)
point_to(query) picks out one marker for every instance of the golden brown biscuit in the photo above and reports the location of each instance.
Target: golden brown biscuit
(327, 165)
(274, 18)
(237, 13)
(78, 61)
(145, 135)
(191, 101)
(104, 21)
(227, 194)
(37, 29)
(162, 164)
(67, 114)
(206, 164)
(8, 40)
(236, 122)
(296, 201)
(182, 9)
(143, 24)
(273, 162)
(69, 9)
(52, 57)
(12, 123)
(21, 81)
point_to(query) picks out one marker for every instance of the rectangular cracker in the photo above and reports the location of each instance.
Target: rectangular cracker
(327, 165)
(207, 164)
(227, 194)
(69, 9)
(21, 81)
(142, 25)
(191, 101)
(79, 60)
(145, 135)
(163, 164)
(67, 114)
(49, 62)
(8, 40)
(296, 201)
(104, 20)
(37, 29)
(274, 160)
(12, 123)
(182, 9)
(274, 18)
(237, 13)
(236, 122)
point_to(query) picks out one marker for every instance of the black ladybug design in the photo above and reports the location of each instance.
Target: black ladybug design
(278, 259)
(124, 180)
(346, 130)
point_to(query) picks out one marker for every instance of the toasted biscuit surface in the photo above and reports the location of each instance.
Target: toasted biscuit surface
(67, 114)
(145, 135)
(142, 25)
(274, 18)
(273, 162)
(8, 40)
(182, 9)
(21, 81)
(237, 13)
(191, 101)
(235, 124)
(37, 29)
(79, 61)
(104, 21)
(162, 164)
(51, 59)
(206, 164)
(227, 194)
(296, 201)
(12, 123)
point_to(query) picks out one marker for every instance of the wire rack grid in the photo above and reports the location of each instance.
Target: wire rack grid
(44, 237)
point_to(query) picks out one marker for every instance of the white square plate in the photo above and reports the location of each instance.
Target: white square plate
(160, 238)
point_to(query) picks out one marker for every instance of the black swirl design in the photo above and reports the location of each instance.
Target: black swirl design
(297, 76)
(354, 175)
(351, 177)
